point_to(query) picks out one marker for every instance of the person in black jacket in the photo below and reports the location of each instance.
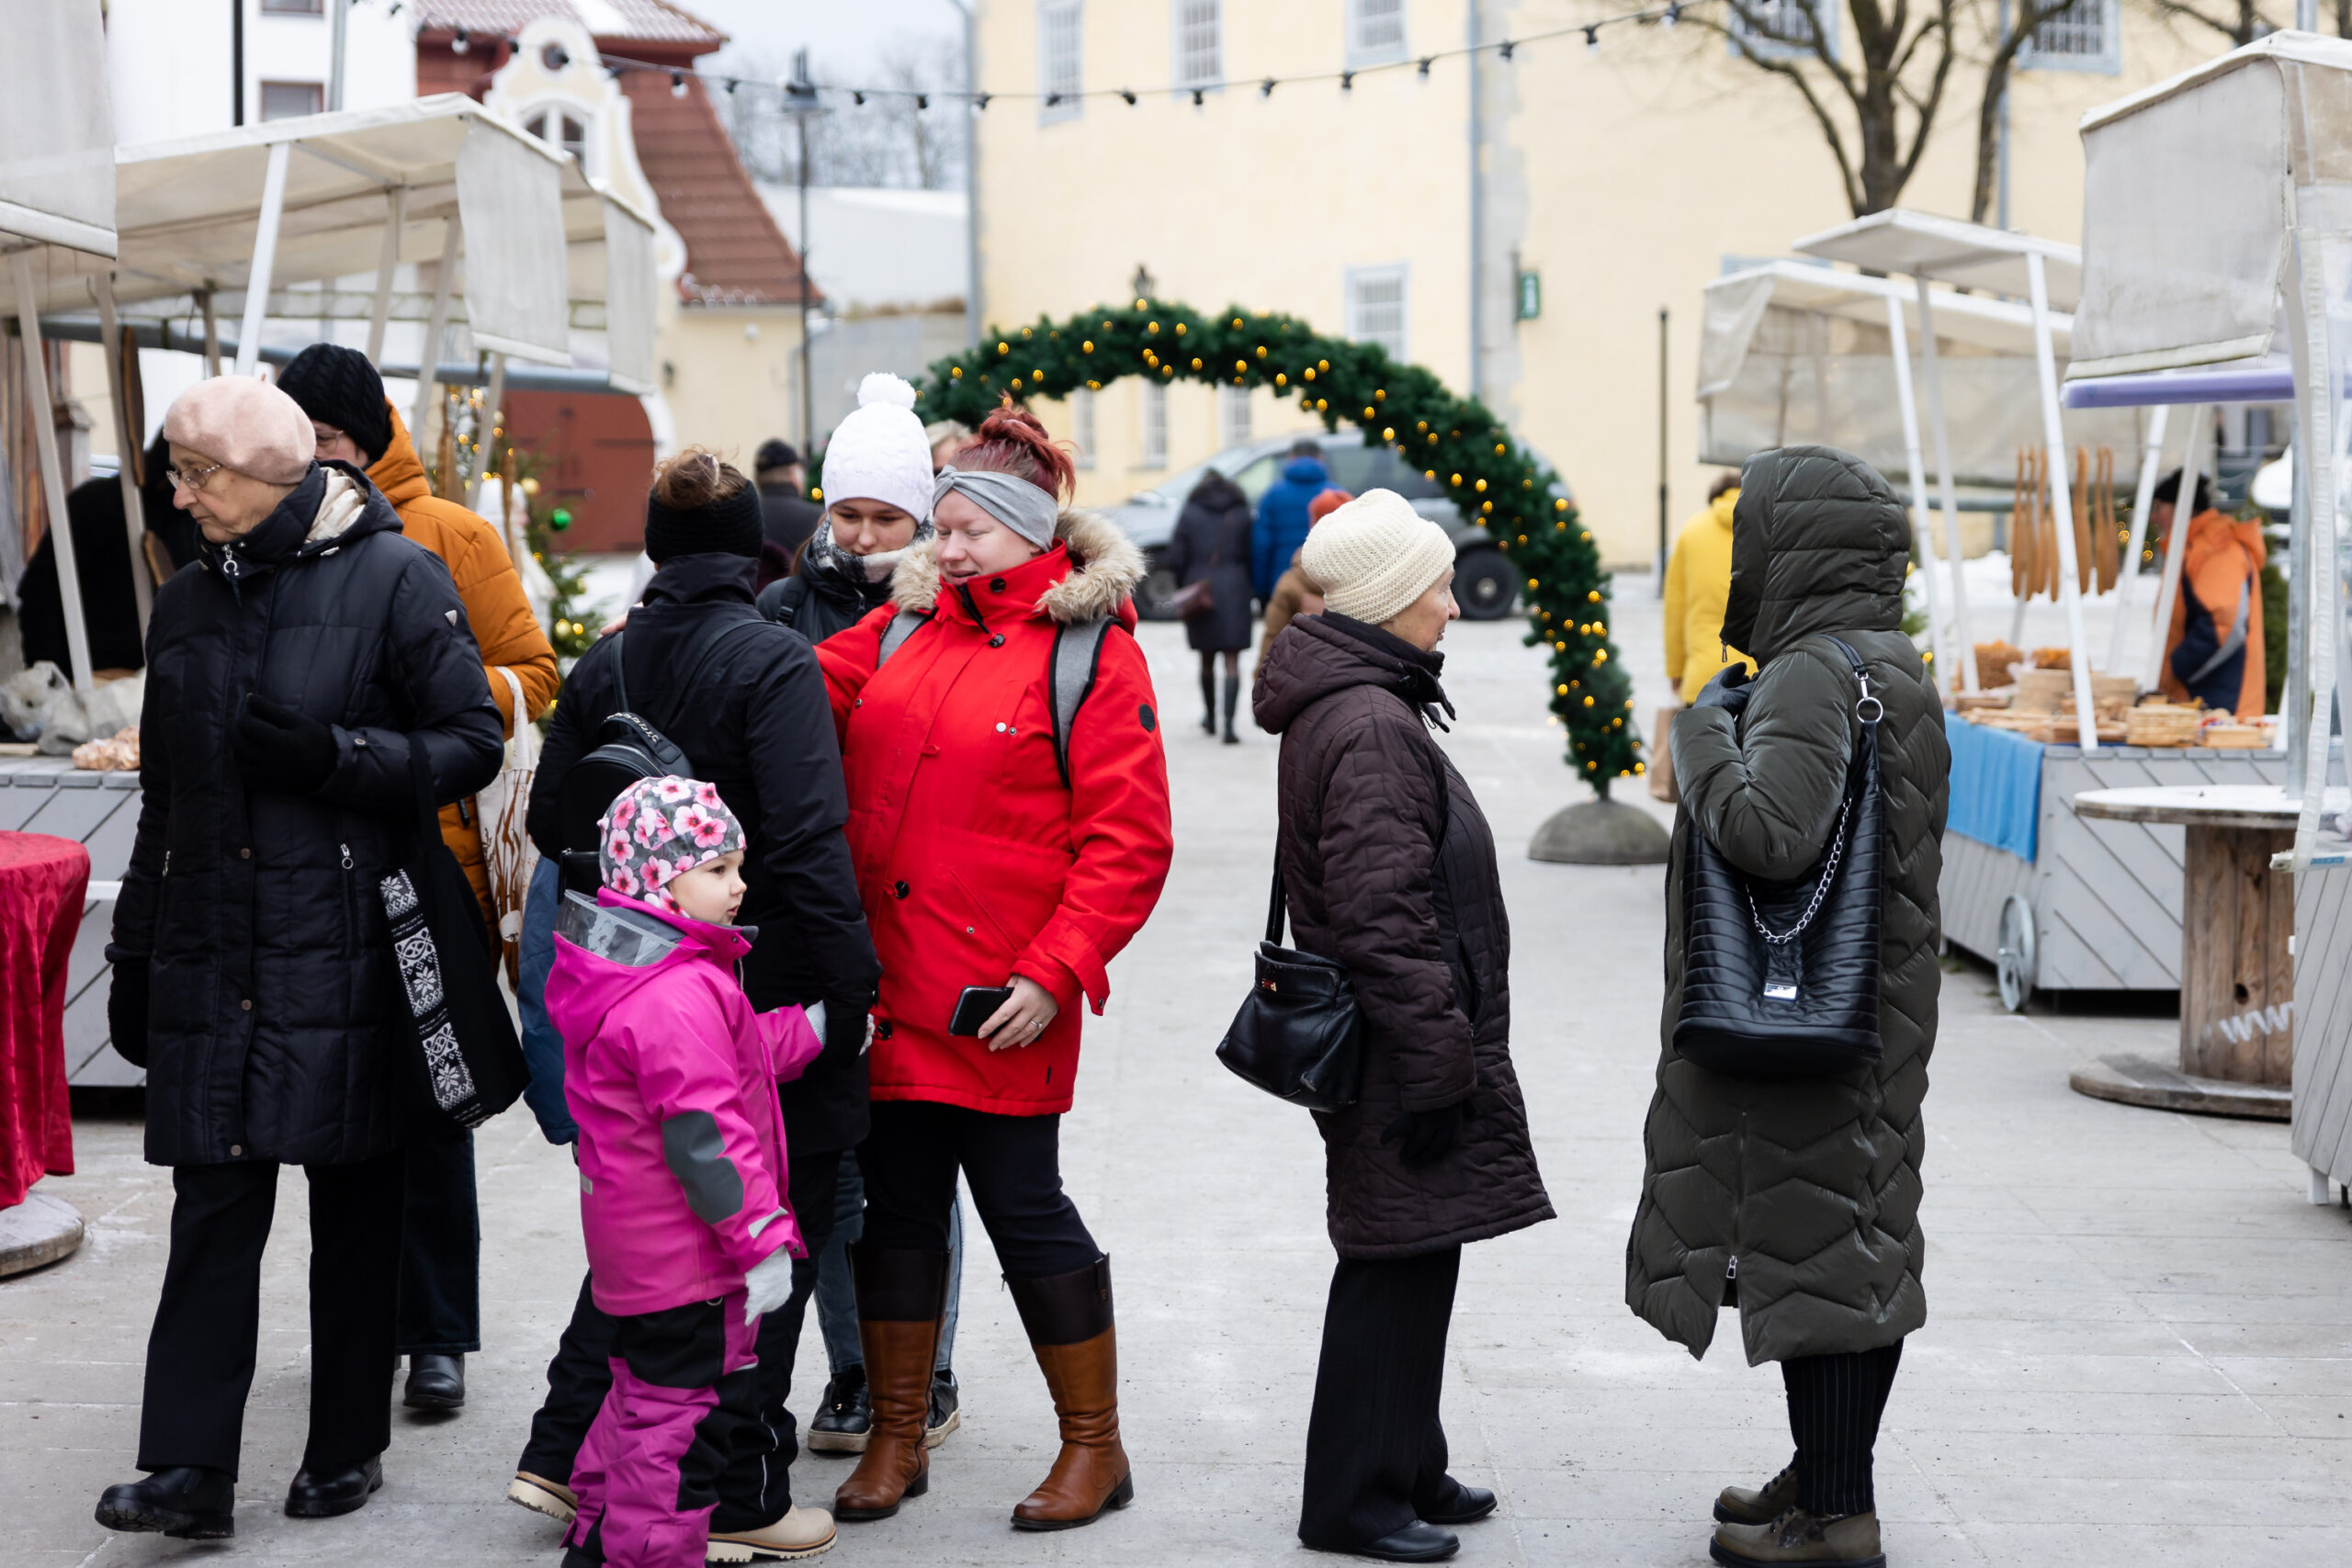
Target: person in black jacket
(292, 678)
(787, 515)
(102, 561)
(1211, 545)
(755, 722)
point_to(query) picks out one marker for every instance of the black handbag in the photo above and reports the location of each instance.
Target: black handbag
(1780, 980)
(462, 1063)
(1298, 1036)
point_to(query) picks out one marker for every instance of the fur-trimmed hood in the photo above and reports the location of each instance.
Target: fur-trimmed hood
(1105, 569)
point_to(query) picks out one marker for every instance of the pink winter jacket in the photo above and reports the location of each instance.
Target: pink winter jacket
(672, 1078)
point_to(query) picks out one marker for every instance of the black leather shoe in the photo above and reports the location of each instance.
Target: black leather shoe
(435, 1382)
(1458, 1505)
(1417, 1542)
(187, 1501)
(325, 1496)
(844, 1420)
(946, 1411)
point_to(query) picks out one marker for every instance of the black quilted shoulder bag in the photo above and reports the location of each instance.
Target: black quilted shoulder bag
(1780, 979)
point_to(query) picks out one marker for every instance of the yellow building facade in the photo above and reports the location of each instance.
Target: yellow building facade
(1624, 179)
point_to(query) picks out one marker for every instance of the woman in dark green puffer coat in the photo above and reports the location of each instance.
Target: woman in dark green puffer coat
(1798, 1201)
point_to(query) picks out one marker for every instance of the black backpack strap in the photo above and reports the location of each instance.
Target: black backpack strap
(1078, 653)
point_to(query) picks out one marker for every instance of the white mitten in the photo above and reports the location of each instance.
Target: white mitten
(768, 1284)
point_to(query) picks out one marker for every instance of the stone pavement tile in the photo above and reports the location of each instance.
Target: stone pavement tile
(2131, 1544)
(2125, 1417)
(2188, 1498)
(1948, 1455)
(2321, 1417)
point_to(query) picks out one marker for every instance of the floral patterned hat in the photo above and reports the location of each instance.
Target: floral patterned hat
(658, 829)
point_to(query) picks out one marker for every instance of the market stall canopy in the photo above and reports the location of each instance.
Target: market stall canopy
(56, 127)
(1964, 254)
(2190, 190)
(1794, 354)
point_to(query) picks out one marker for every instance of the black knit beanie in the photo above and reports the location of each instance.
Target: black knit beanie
(337, 386)
(730, 525)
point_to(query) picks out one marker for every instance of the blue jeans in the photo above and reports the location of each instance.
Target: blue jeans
(542, 1045)
(837, 1300)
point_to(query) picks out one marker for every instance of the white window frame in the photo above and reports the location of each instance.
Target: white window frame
(592, 151)
(1400, 273)
(1152, 449)
(1177, 59)
(2108, 62)
(1232, 416)
(317, 91)
(1766, 47)
(1360, 53)
(1082, 425)
(1073, 13)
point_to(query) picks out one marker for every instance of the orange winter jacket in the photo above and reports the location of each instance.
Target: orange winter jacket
(509, 635)
(2223, 566)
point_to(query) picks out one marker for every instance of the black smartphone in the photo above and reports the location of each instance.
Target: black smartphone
(975, 1006)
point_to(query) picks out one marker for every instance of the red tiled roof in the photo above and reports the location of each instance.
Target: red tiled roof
(655, 21)
(735, 254)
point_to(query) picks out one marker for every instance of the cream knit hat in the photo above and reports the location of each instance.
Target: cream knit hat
(244, 424)
(878, 453)
(1375, 556)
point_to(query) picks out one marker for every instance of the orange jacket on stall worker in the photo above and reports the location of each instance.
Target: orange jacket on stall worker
(510, 636)
(2223, 567)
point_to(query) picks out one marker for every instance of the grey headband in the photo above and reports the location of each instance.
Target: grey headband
(1010, 500)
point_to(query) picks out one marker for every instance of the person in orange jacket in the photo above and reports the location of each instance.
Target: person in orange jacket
(2214, 649)
(440, 1297)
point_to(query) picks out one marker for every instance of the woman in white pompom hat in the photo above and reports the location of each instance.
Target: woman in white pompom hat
(877, 490)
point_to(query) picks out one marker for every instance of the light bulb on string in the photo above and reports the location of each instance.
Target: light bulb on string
(859, 99)
(459, 44)
(1197, 100)
(677, 84)
(1423, 69)
(1673, 14)
(1265, 90)
(922, 102)
(1592, 41)
(1128, 96)
(1347, 81)
(1506, 50)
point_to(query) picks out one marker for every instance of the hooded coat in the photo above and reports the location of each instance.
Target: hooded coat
(1212, 543)
(976, 861)
(671, 1077)
(1282, 522)
(276, 1007)
(1390, 869)
(1806, 1191)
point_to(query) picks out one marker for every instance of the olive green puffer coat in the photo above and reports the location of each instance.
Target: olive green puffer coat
(1807, 1191)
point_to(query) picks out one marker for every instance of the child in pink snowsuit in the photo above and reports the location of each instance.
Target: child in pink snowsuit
(672, 1078)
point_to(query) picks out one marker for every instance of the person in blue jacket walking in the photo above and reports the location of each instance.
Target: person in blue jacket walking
(1282, 515)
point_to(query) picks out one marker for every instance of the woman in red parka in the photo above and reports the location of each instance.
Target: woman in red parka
(982, 865)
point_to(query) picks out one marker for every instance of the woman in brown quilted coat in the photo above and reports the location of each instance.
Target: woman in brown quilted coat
(1390, 870)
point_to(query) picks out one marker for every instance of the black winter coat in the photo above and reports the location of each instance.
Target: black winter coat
(1399, 885)
(1212, 541)
(821, 597)
(758, 726)
(1810, 1187)
(272, 1024)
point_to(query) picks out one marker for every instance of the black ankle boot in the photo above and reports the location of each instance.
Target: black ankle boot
(1232, 696)
(187, 1501)
(434, 1381)
(322, 1495)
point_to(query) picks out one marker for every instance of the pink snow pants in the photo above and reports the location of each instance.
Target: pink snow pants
(683, 1382)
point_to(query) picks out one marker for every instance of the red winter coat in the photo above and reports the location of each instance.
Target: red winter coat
(975, 862)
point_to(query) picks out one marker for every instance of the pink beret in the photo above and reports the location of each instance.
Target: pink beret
(246, 424)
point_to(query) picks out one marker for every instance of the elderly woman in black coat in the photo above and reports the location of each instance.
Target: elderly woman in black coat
(292, 677)
(1209, 553)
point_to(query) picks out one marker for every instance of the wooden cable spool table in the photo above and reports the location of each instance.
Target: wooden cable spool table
(2237, 968)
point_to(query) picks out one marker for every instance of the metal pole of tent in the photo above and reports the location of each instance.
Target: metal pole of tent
(2061, 503)
(1897, 342)
(428, 361)
(1931, 377)
(52, 476)
(338, 12)
(388, 261)
(211, 332)
(1657, 573)
(265, 261)
(488, 425)
(2152, 456)
(2184, 507)
(128, 442)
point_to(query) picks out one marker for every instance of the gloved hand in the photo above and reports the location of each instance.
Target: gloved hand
(281, 750)
(768, 1285)
(1424, 1137)
(127, 1010)
(847, 1023)
(1730, 689)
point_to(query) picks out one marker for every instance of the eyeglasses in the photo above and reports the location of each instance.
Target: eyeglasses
(192, 481)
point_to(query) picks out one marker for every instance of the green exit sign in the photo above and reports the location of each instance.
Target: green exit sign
(1531, 294)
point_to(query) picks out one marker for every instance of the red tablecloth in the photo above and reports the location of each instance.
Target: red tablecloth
(43, 882)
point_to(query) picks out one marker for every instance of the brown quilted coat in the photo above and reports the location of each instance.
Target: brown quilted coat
(1401, 888)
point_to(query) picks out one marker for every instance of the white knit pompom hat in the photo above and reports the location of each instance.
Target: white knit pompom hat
(878, 453)
(1375, 556)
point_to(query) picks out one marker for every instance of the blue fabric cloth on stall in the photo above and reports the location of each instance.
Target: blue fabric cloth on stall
(1995, 787)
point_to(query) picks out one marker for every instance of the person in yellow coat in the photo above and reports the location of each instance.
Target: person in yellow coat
(440, 1295)
(1698, 582)
(2213, 650)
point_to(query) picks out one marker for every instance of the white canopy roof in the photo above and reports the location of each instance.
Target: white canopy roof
(56, 127)
(1966, 255)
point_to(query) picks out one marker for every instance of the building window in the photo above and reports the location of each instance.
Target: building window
(1376, 308)
(1375, 31)
(1200, 42)
(1232, 415)
(558, 128)
(1155, 425)
(1057, 58)
(2086, 36)
(293, 7)
(1082, 425)
(285, 100)
(1775, 29)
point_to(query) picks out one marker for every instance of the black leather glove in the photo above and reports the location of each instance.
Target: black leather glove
(1730, 689)
(845, 1026)
(127, 1010)
(280, 749)
(1424, 1137)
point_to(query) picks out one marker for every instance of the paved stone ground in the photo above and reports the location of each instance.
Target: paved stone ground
(2138, 1348)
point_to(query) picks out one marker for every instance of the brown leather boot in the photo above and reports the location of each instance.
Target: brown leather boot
(1068, 1320)
(901, 1297)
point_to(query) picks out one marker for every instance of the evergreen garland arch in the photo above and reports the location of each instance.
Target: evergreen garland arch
(1455, 441)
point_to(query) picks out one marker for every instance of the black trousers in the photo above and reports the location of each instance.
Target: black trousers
(1835, 1402)
(440, 1251)
(1013, 1163)
(1375, 1452)
(207, 1325)
(754, 1487)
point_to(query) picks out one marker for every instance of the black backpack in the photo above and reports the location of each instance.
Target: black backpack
(1077, 651)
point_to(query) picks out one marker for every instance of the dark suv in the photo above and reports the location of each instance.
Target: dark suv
(1484, 581)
